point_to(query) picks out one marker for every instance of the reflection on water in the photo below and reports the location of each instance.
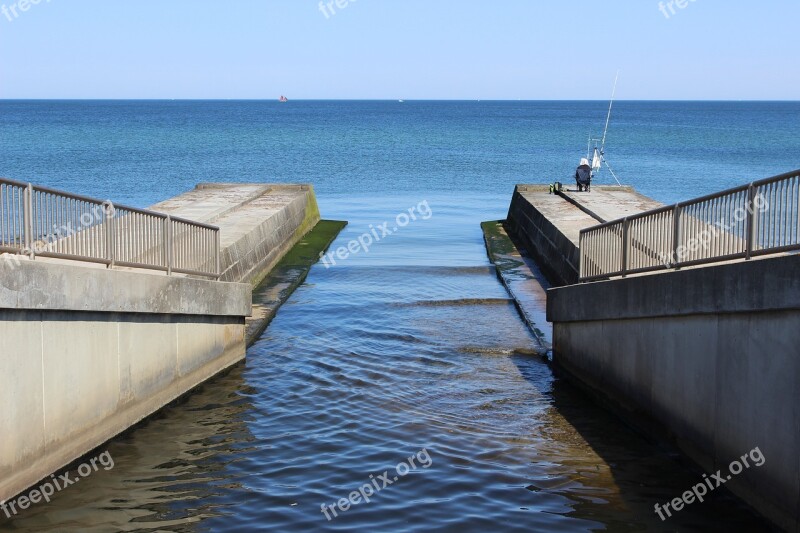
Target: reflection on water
(413, 345)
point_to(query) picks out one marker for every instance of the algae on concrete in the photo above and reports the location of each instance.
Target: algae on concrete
(288, 274)
(522, 279)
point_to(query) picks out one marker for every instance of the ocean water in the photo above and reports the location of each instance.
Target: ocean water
(142, 152)
(412, 350)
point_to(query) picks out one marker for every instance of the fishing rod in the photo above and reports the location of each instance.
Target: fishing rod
(608, 117)
(599, 156)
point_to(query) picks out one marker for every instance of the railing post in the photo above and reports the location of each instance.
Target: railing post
(111, 234)
(27, 216)
(625, 245)
(217, 250)
(168, 243)
(676, 234)
(751, 218)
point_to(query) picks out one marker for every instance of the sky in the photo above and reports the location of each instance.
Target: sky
(392, 49)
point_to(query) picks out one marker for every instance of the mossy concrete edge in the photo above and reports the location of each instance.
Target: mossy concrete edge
(289, 273)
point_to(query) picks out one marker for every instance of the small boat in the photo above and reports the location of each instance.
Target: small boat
(401, 101)
(283, 99)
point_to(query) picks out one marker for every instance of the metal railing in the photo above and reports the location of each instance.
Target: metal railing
(758, 219)
(39, 221)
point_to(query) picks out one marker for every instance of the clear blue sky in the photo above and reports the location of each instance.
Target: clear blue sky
(438, 49)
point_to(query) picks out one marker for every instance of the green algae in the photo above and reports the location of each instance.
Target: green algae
(290, 272)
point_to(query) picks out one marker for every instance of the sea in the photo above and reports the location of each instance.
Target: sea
(403, 374)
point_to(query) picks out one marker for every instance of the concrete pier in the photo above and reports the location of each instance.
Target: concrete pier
(703, 357)
(88, 351)
(549, 225)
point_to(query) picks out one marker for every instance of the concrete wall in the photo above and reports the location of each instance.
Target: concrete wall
(556, 254)
(251, 256)
(85, 353)
(708, 358)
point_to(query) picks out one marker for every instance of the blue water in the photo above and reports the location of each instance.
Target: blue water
(142, 152)
(412, 346)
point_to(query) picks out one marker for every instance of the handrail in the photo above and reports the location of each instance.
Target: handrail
(760, 218)
(41, 221)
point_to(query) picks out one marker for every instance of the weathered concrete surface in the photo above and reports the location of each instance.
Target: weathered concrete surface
(607, 203)
(86, 353)
(258, 223)
(708, 358)
(47, 285)
(549, 225)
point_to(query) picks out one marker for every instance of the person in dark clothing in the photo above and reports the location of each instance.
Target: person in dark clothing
(583, 176)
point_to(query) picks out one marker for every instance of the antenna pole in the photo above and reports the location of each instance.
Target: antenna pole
(608, 118)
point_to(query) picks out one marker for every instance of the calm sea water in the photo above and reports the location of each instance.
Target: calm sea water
(142, 152)
(413, 346)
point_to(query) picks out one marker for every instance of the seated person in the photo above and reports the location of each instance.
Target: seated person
(583, 176)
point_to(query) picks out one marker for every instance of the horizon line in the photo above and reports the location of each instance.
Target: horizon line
(162, 99)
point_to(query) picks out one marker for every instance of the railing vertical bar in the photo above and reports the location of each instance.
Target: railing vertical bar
(169, 236)
(46, 217)
(28, 220)
(111, 234)
(764, 228)
(797, 209)
(81, 229)
(77, 228)
(218, 252)
(751, 229)
(779, 218)
(769, 227)
(676, 234)
(625, 246)
(787, 214)
(726, 225)
(19, 219)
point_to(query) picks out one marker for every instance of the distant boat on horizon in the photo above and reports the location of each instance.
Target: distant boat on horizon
(283, 99)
